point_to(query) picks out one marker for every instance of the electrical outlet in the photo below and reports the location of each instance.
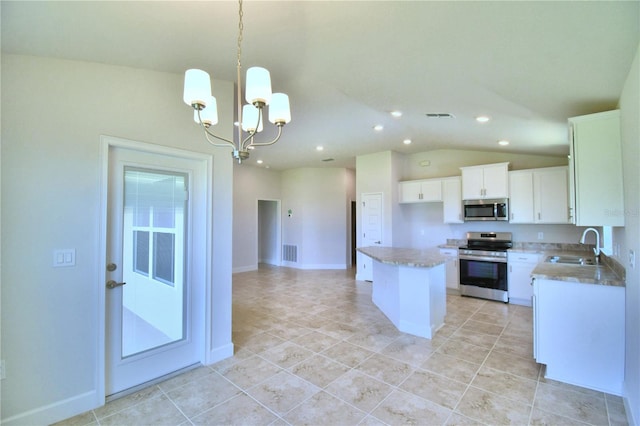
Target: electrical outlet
(541, 235)
(632, 259)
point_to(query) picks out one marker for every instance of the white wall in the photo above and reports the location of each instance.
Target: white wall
(251, 184)
(268, 229)
(319, 224)
(54, 114)
(629, 236)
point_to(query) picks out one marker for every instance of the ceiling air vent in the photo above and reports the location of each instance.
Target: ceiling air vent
(439, 115)
(327, 160)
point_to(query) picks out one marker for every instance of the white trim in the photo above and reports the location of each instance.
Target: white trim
(219, 353)
(245, 268)
(315, 266)
(56, 411)
(106, 143)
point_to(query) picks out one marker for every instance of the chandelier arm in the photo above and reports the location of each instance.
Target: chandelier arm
(269, 143)
(207, 133)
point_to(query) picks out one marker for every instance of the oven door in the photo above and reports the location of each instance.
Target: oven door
(485, 272)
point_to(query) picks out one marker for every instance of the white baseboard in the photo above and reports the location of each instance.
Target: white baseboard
(244, 269)
(315, 266)
(56, 411)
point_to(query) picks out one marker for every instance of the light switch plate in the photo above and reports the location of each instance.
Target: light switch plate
(632, 259)
(64, 258)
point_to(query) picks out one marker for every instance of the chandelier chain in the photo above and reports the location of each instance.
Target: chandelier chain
(240, 29)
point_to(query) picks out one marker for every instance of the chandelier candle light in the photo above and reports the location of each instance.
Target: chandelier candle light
(197, 94)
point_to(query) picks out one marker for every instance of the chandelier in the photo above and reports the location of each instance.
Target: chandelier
(197, 94)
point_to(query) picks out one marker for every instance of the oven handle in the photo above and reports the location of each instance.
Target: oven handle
(483, 258)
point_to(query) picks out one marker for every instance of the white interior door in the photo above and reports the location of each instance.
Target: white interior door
(155, 288)
(371, 224)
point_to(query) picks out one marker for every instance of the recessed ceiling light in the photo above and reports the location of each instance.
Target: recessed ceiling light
(378, 127)
(319, 148)
(503, 142)
(482, 119)
(259, 161)
(407, 141)
(396, 114)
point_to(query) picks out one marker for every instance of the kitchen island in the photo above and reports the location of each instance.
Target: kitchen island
(409, 287)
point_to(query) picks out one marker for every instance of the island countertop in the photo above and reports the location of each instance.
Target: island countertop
(418, 258)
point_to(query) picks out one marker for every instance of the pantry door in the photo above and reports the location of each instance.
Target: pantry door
(154, 278)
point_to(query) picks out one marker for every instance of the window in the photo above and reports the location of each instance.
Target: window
(163, 257)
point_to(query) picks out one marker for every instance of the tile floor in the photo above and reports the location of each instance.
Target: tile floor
(311, 348)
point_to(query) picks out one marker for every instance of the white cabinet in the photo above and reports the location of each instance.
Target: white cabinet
(520, 266)
(486, 181)
(451, 269)
(452, 199)
(579, 333)
(596, 169)
(521, 196)
(420, 191)
(539, 196)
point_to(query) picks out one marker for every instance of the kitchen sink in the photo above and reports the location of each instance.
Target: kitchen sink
(571, 260)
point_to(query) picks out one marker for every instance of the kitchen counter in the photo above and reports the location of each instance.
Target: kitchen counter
(600, 274)
(409, 287)
(405, 256)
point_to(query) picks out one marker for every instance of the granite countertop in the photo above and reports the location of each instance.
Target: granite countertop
(601, 274)
(405, 256)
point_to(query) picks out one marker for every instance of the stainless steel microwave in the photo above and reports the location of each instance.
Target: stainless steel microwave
(489, 209)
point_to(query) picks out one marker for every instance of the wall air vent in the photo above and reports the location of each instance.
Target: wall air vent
(289, 253)
(439, 115)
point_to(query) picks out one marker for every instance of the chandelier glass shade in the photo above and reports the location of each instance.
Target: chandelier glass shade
(258, 95)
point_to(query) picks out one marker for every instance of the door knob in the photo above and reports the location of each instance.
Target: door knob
(113, 284)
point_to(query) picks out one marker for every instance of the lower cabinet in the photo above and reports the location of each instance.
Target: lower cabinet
(520, 266)
(578, 332)
(451, 269)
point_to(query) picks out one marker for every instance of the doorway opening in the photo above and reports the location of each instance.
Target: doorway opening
(269, 232)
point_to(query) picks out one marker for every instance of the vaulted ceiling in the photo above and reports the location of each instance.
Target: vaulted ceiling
(347, 64)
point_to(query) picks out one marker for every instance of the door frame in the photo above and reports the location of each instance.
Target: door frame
(106, 143)
(277, 231)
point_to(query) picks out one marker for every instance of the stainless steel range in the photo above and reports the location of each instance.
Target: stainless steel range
(483, 265)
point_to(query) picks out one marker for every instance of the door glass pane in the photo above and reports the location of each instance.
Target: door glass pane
(154, 223)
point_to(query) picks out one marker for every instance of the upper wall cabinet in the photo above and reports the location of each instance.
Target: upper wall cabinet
(539, 195)
(420, 191)
(452, 199)
(595, 170)
(486, 181)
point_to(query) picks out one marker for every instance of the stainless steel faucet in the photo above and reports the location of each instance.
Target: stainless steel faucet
(596, 249)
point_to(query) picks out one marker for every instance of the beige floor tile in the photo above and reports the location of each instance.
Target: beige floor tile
(250, 371)
(282, 392)
(386, 369)
(84, 419)
(348, 354)
(433, 387)
(316, 341)
(239, 410)
(464, 351)
(200, 395)
(544, 418)
(319, 370)
(493, 409)
(483, 327)
(409, 349)
(330, 410)
(405, 408)
(456, 419)
(286, 354)
(579, 406)
(486, 341)
(184, 378)
(453, 368)
(154, 411)
(523, 367)
(359, 390)
(127, 401)
(506, 385)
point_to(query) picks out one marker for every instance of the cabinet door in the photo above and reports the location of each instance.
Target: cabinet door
(521, 197)
(551, 195)
(451, 270)
(410, 192)
(431, 190)
(519, 277)
(496, 181)
(597, 164)
(472, 183)
(452, 200)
